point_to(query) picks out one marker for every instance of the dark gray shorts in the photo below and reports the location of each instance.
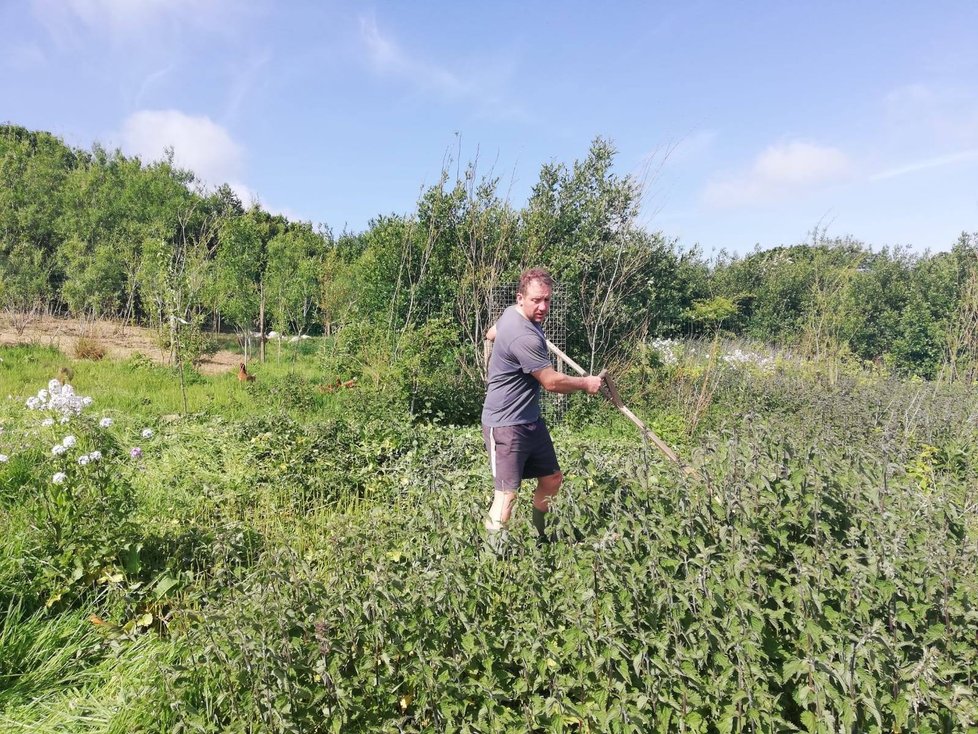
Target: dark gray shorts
(519, 452)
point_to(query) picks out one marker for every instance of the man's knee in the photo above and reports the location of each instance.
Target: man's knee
(547, 488)
(551, 482)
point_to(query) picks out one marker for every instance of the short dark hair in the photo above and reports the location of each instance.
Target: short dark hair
(534, 274)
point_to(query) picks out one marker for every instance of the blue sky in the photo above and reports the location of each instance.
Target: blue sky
(750, 123)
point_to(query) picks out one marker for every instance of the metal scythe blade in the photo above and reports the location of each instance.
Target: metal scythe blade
(610, 391)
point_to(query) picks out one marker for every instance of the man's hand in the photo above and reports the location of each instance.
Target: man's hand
(592, 384)
(554, 381)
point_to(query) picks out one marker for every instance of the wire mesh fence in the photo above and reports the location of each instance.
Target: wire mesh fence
(555, 327)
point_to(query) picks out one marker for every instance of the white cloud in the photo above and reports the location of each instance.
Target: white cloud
(940, 161)
(198, 143)
(780, 170)
(149, 81)
(389, 58)
(245, 78)
(483, 87)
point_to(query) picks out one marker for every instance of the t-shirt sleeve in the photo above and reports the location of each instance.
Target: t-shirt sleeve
(531, 353)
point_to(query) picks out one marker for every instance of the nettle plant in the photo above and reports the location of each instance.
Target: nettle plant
(807, 582)
(66, 496)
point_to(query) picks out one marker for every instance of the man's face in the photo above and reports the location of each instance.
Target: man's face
(535, 303)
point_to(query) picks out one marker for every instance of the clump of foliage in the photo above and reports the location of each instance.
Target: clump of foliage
(87, 347)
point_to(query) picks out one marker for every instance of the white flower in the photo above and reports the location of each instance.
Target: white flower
(64, 419)
(3, 458)
(47, 422)
(58, 449)
(147, 433)
(59, 477)
(84, 459)
(95, 455)
(69, 442)
(59, 399)
(105, 423)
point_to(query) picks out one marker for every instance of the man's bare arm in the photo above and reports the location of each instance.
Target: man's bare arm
(554, 381)
(491, 334)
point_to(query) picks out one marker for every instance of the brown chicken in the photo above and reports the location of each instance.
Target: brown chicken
(243, 375)
(331, 387)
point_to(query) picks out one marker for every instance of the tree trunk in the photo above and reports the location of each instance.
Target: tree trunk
(261, 320)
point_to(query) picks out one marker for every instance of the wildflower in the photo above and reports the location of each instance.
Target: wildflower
(47, 422)
(83, 459)
(64, 419)
(105, 423)
(59, 477)
(69, 442)
(60, 399)
(4, 458)
(136, 452)
(147, 433)
(58, 449)
(95, 455)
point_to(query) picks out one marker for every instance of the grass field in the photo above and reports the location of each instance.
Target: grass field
(279, 557)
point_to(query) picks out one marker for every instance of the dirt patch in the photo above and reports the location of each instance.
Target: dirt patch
(119, 341)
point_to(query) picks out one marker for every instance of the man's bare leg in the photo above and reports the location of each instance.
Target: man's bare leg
(501, 510)
(547, 488)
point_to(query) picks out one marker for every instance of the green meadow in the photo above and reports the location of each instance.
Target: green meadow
(279, 557)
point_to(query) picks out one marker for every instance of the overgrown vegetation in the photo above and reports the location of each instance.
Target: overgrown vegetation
(314, 561)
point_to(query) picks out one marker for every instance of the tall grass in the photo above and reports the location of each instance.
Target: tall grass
(61, 673)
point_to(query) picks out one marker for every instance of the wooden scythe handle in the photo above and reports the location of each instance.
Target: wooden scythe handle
(610, 390)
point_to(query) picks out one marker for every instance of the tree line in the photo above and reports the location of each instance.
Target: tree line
(95, 233)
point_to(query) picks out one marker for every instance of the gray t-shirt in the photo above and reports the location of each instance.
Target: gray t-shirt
(513, 396)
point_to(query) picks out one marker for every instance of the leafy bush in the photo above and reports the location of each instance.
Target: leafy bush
(418, 371)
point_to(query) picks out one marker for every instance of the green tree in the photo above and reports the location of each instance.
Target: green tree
(580, 223)
(295, 261)
(240, 266)
(33, 169)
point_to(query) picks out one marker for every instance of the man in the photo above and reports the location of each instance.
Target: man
(516, 437)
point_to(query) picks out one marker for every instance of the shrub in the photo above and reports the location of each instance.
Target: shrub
(87, 347)
(418, 371)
